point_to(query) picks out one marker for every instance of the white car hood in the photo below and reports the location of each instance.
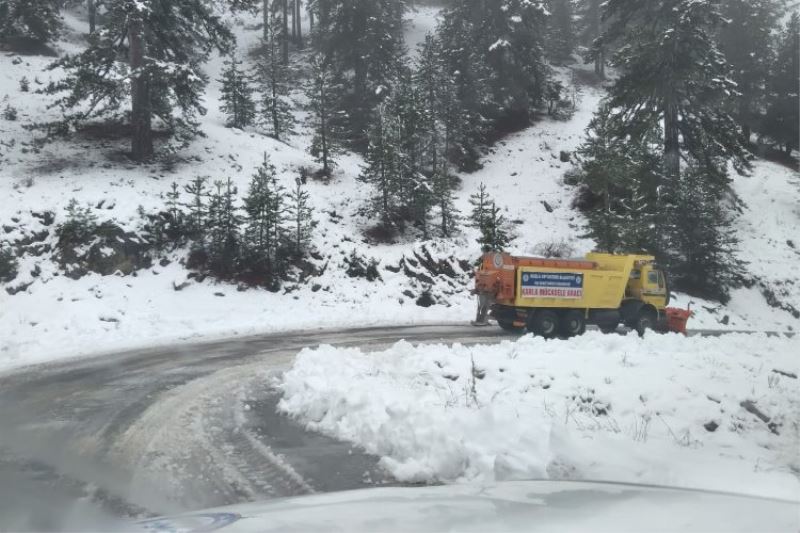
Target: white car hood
(508, 507)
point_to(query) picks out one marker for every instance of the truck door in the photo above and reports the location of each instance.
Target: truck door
(654, 288)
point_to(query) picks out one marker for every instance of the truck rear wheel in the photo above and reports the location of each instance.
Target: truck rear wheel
(573, 324)
(545, 324)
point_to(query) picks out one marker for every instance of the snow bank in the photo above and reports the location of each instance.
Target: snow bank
(604, 407)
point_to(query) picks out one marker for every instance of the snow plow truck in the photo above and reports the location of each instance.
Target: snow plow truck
(559, 297)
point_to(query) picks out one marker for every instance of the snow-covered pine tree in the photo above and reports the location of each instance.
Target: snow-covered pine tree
(429, 78)
(273, 78)
(362, 43)
(147, 55)
(446, 212)
(299, 213)
(324, 144)
(495, 234)
(224, 221)
(688, 91)
(197, 207)
(404, 103)
(34, 19)
(493, 52)
(746, 40)
(175, 224)
(265, 223)
(383, 168)
(780, 123)
(590, 27)
(236, 95)
(621, 175)
(480, 202)
(701, 257)
(561, 34)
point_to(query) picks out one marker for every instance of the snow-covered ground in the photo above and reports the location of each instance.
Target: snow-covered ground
(53, 316)
(665, 410)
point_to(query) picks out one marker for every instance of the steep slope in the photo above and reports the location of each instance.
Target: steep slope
(50, 315)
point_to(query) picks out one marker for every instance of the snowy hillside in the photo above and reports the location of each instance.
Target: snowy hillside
(45, 314)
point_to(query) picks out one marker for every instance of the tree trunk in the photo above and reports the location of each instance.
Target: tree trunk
(310, 21)
(142, 135)
(324, 130)
(265, 16)
(294, 20)
(92, 7)
(600, 64)
(672, 150)
(285, 36)
(298, 5)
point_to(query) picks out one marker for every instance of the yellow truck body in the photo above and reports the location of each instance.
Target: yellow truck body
(603, 289)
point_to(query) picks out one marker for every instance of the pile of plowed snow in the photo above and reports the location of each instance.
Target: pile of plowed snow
(714, 413)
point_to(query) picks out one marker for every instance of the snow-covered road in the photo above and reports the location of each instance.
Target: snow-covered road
(165, 430)
(170, 429)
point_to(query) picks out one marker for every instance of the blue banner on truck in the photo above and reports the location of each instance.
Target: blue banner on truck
(552, 285)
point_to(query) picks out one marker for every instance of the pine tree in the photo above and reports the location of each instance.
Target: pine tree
(34, 19)
(223, 229)
(780, 123)
(447, 214)
(480, 202)
(746, 40)
(197, 209)
(429, 79)
(236, 95)
(148, 53)
(702, 257)
(324, 144)
(495, 235)
(299, 212)
(265, 221)
(561, 38)
(493, 53)
(687, 91)
(362, 43)
(274, 77)
(485, 216)
(622, 175)
(383, 168)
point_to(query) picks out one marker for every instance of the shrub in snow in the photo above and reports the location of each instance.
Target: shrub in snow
(79, 226)
(84, 245)
(359, 267)
(24, 85)
(560, 249)
(10, 113)
(8, 264)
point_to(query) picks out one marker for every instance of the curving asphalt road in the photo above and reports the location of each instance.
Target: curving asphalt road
(88, 442)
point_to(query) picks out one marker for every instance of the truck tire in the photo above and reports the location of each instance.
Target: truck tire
(573, 324)
(646, 320)
(510, 327)
(545, 324)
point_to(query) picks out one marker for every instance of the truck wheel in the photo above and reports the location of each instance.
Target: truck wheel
(509, 327)
(646, 320)
(573, 324)
(545, 324)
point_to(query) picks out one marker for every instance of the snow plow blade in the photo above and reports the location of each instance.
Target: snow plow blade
(675, 319)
